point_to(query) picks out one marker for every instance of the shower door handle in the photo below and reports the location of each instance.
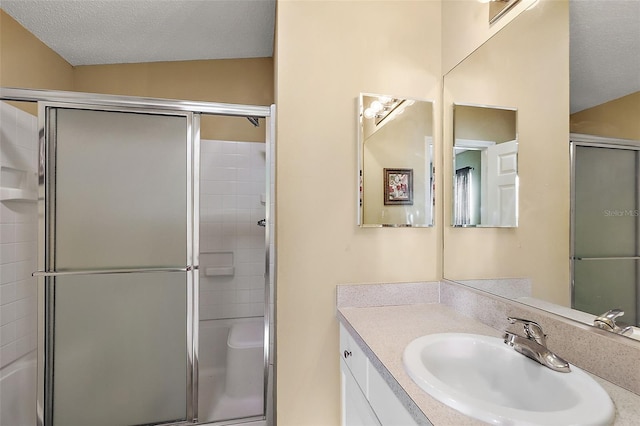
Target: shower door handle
(262, 223)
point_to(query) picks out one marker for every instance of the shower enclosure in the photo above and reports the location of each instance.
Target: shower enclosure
(119, 265)
(605, 231)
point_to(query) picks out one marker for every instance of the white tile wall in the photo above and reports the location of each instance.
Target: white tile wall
(232, 192)
(18, 234)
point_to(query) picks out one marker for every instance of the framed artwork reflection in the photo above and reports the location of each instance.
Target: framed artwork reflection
(398, 186)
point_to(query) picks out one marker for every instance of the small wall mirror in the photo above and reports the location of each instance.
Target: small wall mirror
(485, 169)
(395, 151)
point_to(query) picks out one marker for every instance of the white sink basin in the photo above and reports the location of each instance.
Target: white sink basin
(484, 378)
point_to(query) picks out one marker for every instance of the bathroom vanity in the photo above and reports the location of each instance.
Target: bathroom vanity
(377, 322)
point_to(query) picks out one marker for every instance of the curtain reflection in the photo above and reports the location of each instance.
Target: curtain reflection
(462, 194)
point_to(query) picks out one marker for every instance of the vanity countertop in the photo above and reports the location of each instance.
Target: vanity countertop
(383, 332)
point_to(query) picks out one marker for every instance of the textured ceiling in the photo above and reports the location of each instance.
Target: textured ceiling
(605, 51)
(605, 36)
(89, 32)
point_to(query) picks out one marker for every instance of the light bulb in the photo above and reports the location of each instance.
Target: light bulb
(376, 106)
(368, 113)
(385, 99)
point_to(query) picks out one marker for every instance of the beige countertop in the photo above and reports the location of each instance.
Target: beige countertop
(383, 333)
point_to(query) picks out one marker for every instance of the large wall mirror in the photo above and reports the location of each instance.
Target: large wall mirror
(528, 69)
(395, 151)
(485, 166)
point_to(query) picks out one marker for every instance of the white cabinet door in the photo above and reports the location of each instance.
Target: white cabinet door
(356, 410)
(366, 397)
(386, 404)
(502, 184)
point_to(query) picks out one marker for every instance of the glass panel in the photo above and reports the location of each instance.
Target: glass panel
(119, 355)
(110, 211)
(605, 225)
(602, 285)
(231, 358)
(118, 345)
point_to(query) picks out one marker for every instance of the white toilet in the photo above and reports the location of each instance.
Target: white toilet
(245, 360)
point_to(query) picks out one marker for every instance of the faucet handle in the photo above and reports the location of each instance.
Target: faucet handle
(613, 314)
(531, 328)
(607, 321)
(627, 331)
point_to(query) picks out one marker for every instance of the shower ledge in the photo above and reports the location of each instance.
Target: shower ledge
(17, 194)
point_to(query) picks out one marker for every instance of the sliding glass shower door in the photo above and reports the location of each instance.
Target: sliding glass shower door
(606, 228)
(117, 269)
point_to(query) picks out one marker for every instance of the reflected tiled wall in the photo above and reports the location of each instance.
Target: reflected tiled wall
(18, 233)
(232, 245)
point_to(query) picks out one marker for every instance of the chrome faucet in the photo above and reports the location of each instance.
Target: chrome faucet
(607, 321)
(534, 346)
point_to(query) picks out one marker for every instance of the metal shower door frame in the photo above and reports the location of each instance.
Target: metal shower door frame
(47, 274)
(193, 109)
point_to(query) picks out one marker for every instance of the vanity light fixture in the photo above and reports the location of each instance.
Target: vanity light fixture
(381, 107)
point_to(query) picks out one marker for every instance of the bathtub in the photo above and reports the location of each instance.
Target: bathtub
(18, 392)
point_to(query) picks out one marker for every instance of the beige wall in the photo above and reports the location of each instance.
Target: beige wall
(327, 53)
(239, 81)
(488, 123)
(526, 68)
(26, 62)
(465, 26)
(613, 119)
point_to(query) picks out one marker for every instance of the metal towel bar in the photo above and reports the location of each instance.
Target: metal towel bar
(609, 258)
(110, 271)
